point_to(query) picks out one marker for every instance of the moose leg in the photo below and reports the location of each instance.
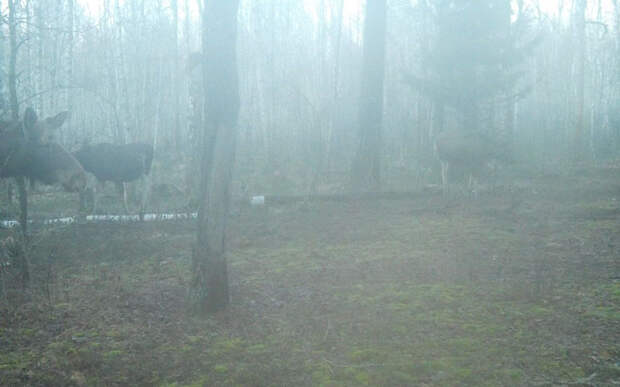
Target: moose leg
(97, 187)
(23, 205)
(96, 191)
(9, 193)
(83, 200)
(444, 176)
(120, 185)
(472, 185)
(493, 174)
(145, 183)
(125, 198)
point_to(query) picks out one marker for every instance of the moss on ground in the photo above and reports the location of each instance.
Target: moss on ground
(334, 294)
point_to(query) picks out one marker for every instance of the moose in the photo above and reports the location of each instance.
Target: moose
(470, 152)
(116, 163)
(27, 150)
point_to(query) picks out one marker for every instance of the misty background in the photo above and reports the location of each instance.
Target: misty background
(544, 77)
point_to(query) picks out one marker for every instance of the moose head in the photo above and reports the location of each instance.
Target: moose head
(27, 149)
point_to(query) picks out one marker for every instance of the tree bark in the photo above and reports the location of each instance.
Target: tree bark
(209, 290)
(14, 105)
(336, 83)
(176, 78)
(580, 27)
(12, 81)
(21, 184)
(3, 105)
(506, 133)
(366, 170)
(24, 267)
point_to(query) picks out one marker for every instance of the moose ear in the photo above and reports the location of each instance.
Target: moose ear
(30, 118)
(57, 121)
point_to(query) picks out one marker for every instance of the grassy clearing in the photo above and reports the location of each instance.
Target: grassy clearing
(403, 292)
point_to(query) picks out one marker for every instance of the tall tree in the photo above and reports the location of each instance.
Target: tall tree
(509, 108)
(175, 77)
(474, 60)
(3, 105)
(209, 291)
(13, 47)
(366, 170)
(14, 106)
(580, 36)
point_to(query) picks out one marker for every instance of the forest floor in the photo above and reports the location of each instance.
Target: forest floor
(519, 286)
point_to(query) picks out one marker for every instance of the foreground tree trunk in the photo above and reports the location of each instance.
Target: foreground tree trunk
(209, 288)
(14, 105)
(366, 171)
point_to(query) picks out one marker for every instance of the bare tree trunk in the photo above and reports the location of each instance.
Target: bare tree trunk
(506, 133)
(3, 105)
(53, 52)
(336, 95)
(366, 171)
(12, 62)
(176, 78)
(12, 82)
(14, 105)
(70, 63)
(122, 99)
(209, 289)
(21, 184)
(39, 83)
(195, 124)
(580, 27)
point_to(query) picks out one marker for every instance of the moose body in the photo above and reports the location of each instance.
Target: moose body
(117, 163)
(470, 152)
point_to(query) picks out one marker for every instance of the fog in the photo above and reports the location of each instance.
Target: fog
(321, 193)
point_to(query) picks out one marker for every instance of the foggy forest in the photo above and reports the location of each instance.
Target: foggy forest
(309, 193)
